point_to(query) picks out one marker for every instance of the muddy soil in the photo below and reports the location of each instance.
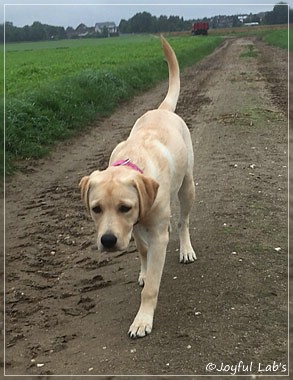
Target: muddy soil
(68, 310)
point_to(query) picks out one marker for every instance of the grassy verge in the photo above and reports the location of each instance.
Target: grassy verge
(279, 38)
(276, 35)
(40, 116)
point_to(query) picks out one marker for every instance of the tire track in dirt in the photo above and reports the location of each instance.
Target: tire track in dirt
(68, 311)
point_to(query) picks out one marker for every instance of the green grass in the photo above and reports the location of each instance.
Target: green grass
(249, 53)
(279, 38)
(58, 88)
(276, 35)
(49, 61)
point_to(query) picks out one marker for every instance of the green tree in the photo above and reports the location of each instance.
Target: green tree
(1, 33)
(38, 32)
(124, 26)
(146, 23)
(279, 14)
(141, 23)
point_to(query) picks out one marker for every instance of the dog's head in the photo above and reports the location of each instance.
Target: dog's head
(117, 198)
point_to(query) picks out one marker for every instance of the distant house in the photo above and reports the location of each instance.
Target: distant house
(83, 31)
(101, 29)
(241, 18)
(110, 26)
(81, 28)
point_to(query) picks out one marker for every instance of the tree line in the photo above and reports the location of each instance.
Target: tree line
(279, 15)
(35, 32)
(142, 22)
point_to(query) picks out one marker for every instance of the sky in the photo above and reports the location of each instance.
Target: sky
(73, 12)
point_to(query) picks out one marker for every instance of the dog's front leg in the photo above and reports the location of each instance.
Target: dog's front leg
(143, 322)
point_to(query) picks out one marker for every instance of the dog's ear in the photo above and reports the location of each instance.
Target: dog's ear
(84, 186)
(147, 189)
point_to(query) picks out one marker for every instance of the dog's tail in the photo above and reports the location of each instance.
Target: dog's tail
(172, 96)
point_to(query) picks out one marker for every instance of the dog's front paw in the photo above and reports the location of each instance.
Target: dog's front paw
(187, 257)
(141, 326)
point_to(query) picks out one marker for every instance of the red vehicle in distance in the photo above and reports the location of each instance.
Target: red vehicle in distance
(200, 28)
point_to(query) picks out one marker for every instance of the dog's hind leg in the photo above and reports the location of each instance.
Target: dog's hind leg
(186, 197)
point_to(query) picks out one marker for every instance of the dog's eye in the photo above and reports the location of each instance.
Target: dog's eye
(97, 209)
(124, 208)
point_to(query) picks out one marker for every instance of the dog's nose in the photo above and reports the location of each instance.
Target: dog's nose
(109, 240)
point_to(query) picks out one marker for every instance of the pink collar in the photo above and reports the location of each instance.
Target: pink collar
(129, 164)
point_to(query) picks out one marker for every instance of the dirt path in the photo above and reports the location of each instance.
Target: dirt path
(67, 313)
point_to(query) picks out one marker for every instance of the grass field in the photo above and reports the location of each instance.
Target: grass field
(272, 34)
(280, 38)
(55, 88)
(34, 64)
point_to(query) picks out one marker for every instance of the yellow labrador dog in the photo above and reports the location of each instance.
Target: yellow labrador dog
(133, 195)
